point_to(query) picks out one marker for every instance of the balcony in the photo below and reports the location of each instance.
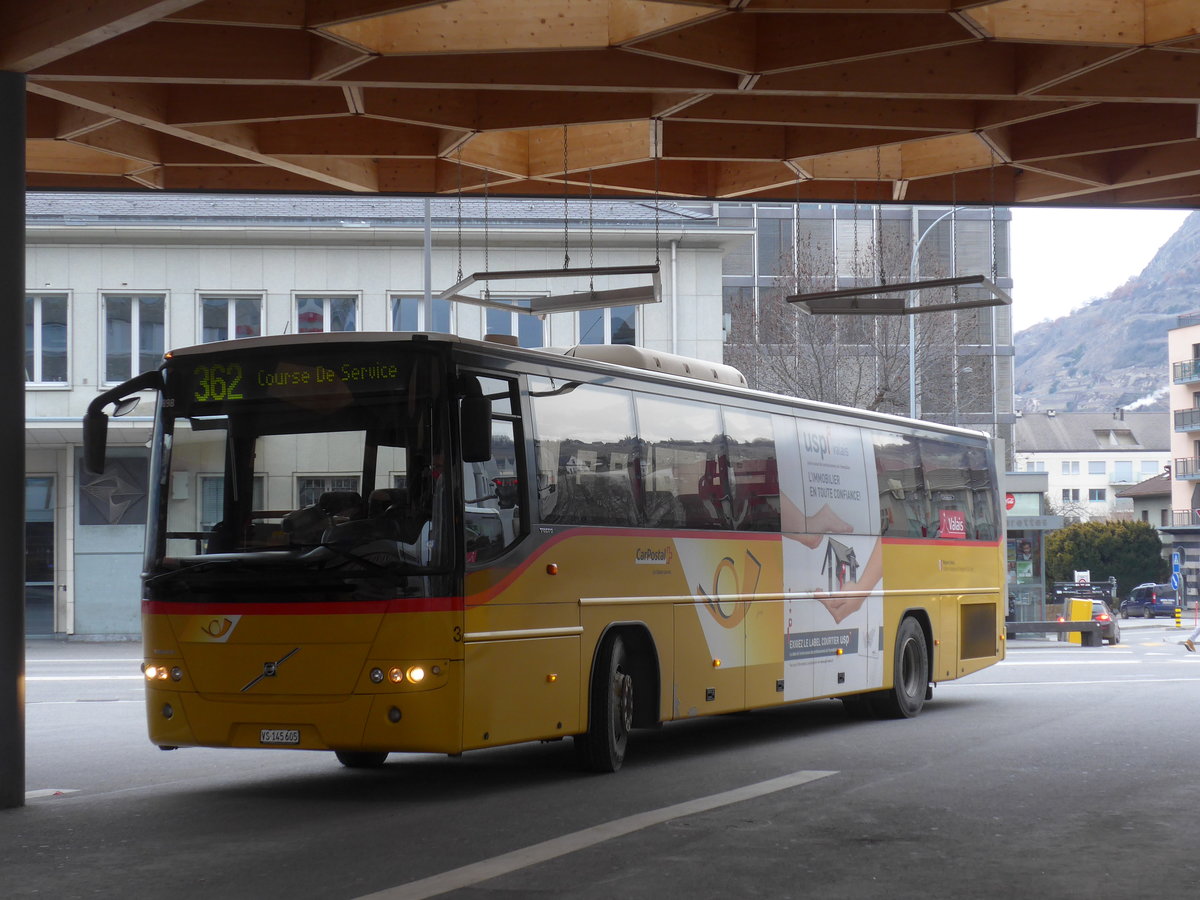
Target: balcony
(1185, 372)
(1185, 518)
(1187, 420)
(1186, 469)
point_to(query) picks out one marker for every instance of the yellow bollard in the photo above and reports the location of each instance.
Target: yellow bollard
(1178, 617)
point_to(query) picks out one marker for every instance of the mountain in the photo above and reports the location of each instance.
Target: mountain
(1113, 351)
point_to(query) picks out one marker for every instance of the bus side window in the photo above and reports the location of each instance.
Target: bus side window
(492, 498)
(586, 454)
(684, 473)
(903, 509)
(753, 471)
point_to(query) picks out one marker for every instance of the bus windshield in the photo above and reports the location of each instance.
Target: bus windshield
(319, 460)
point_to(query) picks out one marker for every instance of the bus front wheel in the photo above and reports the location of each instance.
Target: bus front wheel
(602, 747)
(360, 759)
(910, 675)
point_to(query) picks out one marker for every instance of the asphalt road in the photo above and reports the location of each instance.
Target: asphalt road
(1063, 772)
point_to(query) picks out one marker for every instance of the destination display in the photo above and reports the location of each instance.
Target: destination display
(233, 380)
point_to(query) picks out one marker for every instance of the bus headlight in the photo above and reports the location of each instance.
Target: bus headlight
(156, 672)
(395, 674)
(416, 674)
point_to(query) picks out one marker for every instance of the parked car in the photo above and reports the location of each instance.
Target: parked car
(1110, 630)
(1150, 600)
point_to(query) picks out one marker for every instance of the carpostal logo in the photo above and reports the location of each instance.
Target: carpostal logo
(649, 556)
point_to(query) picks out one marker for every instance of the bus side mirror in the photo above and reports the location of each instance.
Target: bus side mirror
(476, 419)
(95, 436)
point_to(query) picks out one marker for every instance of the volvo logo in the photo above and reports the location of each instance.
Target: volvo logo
(270, 669)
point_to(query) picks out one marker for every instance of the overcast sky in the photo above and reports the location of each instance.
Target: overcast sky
(1062, 258)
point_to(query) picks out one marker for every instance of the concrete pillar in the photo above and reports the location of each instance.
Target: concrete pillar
(12, 421)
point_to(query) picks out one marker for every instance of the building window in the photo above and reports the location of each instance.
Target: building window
(1164, 518)
(1097, 495)
(1070, 467)
(1070, 495)
(529, 329)
(617, 325)
(134, 334)
(1096, 468)
(408, 314)
(316, 314)
(1149, 468)
(1146, 516)
(46, 338)
(1035, 466)
(225, 318)
(211, 495)
(309, 488)
(1123, 471)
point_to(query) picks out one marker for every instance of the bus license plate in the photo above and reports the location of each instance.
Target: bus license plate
(279, 736)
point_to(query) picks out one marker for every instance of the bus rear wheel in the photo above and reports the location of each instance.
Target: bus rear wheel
(360, 759)
(610, 718)
(910, 675)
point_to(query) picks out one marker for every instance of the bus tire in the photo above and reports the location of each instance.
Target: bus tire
(360, 759)
(910, 675)
(610, 717)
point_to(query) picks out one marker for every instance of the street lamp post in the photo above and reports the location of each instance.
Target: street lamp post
(913, 413)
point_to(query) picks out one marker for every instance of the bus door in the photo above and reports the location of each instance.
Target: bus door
(522, 639)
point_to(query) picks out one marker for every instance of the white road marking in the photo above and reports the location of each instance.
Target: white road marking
(49, 792)
(486, 869)
(1069, 662)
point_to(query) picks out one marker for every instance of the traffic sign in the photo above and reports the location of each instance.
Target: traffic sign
(1175, 561)
(1175, 581)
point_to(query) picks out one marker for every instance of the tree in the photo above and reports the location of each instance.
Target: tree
(1130, 551)
(851, 360)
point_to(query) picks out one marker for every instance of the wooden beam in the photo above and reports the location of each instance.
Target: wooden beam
(144, 105)
(274, 13)
(65, 157)
(1117, 22)
(588, 147)
(171, 51)
(125, 140)
(35, 34)
(785, 43)
(474, 26)
(1041, 69)
(550, 70)
(1103, 128)
(964, 71)
(737, 179)
(504, 152)
(857, 112)
(237, 178)
(1171, 20)
(728, 43)
(320, 13)
(346, 136)
(630, 20)
(1146, 75)
(222, 104)
(944, 155)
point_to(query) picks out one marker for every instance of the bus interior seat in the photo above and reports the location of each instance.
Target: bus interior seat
(341, 504)
(393, 507)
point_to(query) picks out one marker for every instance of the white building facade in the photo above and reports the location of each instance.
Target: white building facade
(1089, 458)
(115, 281)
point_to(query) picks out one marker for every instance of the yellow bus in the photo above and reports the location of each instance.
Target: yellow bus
(369, 543)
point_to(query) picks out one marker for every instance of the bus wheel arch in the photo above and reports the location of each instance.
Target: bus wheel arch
(623, 690)
(912, 670)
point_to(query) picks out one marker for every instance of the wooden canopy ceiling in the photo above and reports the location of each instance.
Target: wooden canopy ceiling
(1087, 102)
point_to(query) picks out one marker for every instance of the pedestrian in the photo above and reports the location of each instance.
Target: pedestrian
(1190, 641)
